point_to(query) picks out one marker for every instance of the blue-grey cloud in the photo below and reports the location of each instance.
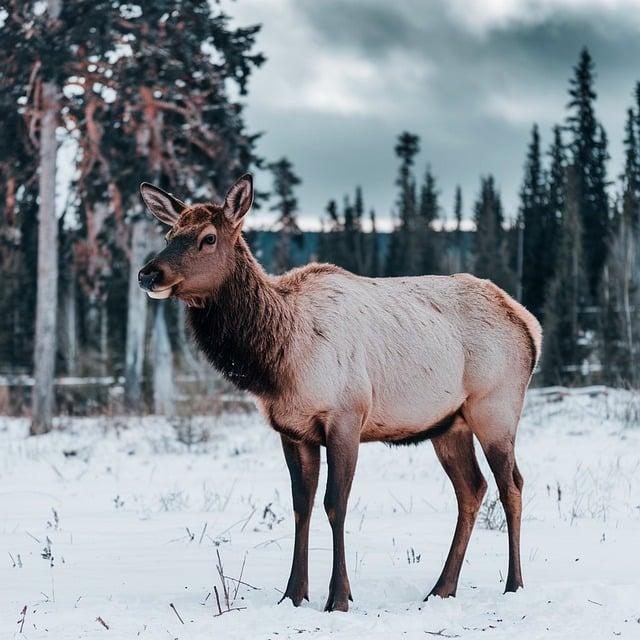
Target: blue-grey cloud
(344, 78)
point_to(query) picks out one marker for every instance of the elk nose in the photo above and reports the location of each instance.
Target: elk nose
(148, 276)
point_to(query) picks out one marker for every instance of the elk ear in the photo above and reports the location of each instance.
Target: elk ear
(239, 199)
(164, 206)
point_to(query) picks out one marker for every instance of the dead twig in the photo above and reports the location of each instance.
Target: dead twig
(239, 581)
(102, 622)
(215, 590)
(176, 612)
(23, 613)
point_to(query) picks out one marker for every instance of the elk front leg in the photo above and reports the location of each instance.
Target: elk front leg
(303, 461)
(343, 439)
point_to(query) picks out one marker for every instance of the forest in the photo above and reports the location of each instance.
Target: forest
(156, 92)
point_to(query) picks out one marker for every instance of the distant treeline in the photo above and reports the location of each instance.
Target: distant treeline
(145, 97)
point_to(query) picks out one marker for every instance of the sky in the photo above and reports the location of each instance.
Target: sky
(344, 78)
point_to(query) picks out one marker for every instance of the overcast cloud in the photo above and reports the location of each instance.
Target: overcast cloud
(470, 77)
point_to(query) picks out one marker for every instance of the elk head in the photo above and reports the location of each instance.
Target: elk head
(199, 255)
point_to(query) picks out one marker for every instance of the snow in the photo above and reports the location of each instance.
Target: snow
(140, 517)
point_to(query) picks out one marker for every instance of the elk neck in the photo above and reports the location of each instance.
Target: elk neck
(245, 329)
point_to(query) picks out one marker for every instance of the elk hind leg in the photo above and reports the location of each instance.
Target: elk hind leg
(456, 453)
(494, 421)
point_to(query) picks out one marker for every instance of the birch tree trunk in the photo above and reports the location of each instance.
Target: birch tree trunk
(136, 318)
(163, 387)
(47, 294)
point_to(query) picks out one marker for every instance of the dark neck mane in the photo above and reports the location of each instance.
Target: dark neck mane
(244, 331)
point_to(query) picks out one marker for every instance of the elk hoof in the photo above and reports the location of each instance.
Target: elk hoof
(513, 585)
(339, 596)
(296, 593)
(443, 591)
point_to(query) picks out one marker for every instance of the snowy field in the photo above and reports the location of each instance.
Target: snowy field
(113, 528)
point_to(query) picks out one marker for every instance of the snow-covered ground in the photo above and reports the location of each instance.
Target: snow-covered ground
(117, 523)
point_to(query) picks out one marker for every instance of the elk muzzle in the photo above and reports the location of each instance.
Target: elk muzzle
(153, 279)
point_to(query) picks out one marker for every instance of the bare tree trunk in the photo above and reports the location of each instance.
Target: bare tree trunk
(136, 317)
(189, 358)
(104, 339)
(47, 295)
(163, 388)
(68, 320)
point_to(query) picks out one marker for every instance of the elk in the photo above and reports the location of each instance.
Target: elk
(336, 359)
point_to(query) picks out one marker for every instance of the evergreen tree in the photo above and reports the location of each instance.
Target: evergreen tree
(564, 335)
(428, 213)
(374, 248)
(589, 156)
(345, 243)
(555, 202)
(532, 223)
(404, 253)
(159, 110)
(631, 175)
(490, 251)
(35, 60)
(353, 258)
(284, 182)
(460, 259)
(620, 291)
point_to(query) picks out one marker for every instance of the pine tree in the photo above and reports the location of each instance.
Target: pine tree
(532, 222)
(460, 259)
(284, 182)
(555, 201)
(158, 111)
(563, 353)
(374, 248)
(620, 290)
(35, 59)
(631, 175)
(428, 213)
(589, 156)
(404, 252)
(329, 236)
(345, 243)
(490, 251)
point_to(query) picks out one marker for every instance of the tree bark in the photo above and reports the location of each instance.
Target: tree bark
(47, 293)
(136, 317)
(163, 387)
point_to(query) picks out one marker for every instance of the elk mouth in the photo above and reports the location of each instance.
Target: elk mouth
(163, 294)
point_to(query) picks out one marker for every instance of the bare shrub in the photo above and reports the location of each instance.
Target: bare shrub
(491, 514)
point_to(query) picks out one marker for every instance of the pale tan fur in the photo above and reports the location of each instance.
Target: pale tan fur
(403, 352)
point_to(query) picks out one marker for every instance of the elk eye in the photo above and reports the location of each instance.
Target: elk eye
(208, 239)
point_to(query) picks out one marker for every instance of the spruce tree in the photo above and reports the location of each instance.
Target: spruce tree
(555, 201)
(428, 213)
(404, 255)
(490, 250)
(620, 289)
(285, 181)
(460, 259)
(564, 352)
(588, 157)
(160, 110)
(532, 222)
(345, 244)
(374, 248)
